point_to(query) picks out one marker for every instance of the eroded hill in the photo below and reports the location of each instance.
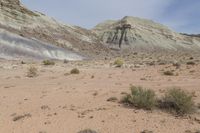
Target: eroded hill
(137, 33)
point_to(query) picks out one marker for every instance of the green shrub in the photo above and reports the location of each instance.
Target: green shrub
(140, 98)
(32, 72)
(75, 71)
(119, 63)
(177, 101)
(48, 62)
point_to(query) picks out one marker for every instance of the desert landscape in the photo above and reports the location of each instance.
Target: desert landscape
(57, 101)
(130, 75)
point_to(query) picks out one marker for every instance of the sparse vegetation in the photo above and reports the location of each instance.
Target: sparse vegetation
(118, 62)
(140, 98)
(22, 62)
(191, 63)
(75, 71)
(48, 62)
(177, 101)
(168, 73)
(32, 72)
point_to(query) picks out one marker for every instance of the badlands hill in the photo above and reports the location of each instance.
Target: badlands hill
(28, 34)
(144, 34)
(36, 28)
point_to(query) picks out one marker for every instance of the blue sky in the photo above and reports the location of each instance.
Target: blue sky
(179, 15)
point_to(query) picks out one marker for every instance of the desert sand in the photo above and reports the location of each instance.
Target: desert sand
(58, 102)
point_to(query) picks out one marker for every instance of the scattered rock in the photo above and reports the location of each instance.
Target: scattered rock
(112, 99)
(87, 131)
(147, 131)
(42, 132)
(188, 131)
(45, 107)
(17, 118)
(95, 94)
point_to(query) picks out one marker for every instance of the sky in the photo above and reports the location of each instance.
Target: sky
(180, 15)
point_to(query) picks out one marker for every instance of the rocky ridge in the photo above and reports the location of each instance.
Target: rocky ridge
(17, 19)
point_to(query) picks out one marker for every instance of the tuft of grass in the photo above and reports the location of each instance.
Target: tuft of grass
(168, 73)
(48, 62)
(140, 98)
(177, 101)
(119, 63)
(75, 71)
(32, 72)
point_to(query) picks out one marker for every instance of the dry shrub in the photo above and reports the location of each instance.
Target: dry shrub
(118, 62)
(177, 101)
(140, 98)
(48, 62)
(75, 71)
(32, 72)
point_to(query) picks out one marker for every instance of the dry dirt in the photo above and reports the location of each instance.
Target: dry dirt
(58, 102)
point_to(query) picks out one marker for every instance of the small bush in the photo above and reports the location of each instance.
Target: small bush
(140, 98)
(32, 72)
(119, 63)
(75, 71)
(65, 61)
(178, 101)
(168, 73)
(48, 62)
(191, 63)
(22, 62)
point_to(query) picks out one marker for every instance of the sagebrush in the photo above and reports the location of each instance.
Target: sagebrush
(177, 101)
(32, 72)
(141, 98)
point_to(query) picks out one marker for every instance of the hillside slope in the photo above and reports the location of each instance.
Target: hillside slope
(16, 18)
(13, 46)
(132, 32)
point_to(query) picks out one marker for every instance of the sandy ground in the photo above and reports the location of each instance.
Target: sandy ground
(55, 102)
